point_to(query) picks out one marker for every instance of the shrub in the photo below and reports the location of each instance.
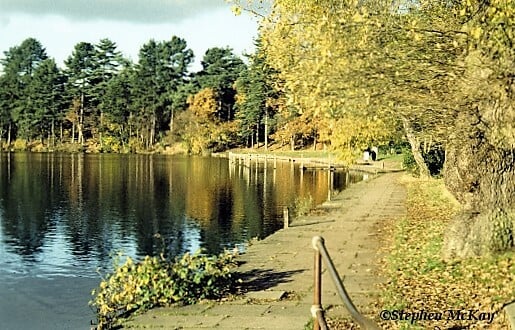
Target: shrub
(155, 281)
(408, 161)
(302, 205)
(135, 145)
(434, 159)
(111, 144)
(20, 145)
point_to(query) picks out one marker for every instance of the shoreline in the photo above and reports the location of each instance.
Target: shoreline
(276, 272)
(313, 163)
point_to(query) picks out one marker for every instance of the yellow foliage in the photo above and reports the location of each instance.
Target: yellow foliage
(204, 104)
(418, 270)
(303, 41)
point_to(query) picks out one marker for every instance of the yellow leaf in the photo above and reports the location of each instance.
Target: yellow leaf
(357, 18)
(236, 10)
(476, 33)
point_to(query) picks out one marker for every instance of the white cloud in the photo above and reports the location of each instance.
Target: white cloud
(142, 11)
(4, 21)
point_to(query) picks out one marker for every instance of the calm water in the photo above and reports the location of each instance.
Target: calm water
(62, 216)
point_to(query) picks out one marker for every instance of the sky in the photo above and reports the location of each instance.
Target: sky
(60, 24)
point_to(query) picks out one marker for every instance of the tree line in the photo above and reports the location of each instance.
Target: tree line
(100, 101)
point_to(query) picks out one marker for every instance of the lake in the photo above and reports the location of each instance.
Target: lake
(64, 216)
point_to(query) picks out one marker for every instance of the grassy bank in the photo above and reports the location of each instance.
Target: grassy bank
(420, 280)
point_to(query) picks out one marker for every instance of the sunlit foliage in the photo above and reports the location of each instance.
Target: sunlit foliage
(154, 281)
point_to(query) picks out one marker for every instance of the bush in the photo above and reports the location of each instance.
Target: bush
(111, 144)
(302, 205)
(135, 145)
(434, 159)
(154, 281)
(408, 161)
(20, 145)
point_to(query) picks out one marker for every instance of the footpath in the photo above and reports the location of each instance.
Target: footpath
(277, 272)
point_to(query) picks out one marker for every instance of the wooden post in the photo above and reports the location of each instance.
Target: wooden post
(329, 185)
(317, 292)
(286, 216)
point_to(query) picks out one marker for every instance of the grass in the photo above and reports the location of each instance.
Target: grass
(420, 280)
(320, 154)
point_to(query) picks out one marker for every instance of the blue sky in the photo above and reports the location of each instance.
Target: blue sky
(60, 24)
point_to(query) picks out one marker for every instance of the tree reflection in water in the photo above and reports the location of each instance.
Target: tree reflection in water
(96, 204)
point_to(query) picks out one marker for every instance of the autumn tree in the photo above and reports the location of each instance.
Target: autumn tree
(328, 79)
(480, 164)
(220, 69)
(200, 120)
(203, 130)
(440, 70)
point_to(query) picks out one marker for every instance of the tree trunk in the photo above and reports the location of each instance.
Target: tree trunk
(481, 175)
(9, 129)
(152, 132)
(100, 130)
(122, 138)
(53, 134)
(415, 148)
(257, 134)
(73, 132)
(266, 131)
(171, 119)
(81, 120)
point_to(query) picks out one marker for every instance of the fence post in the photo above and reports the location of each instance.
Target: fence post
(317, 296)
(321, 252)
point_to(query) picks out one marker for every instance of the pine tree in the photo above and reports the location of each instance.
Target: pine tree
(79, 71)
(117, 104)
(19, 66)
(161, 69)
(107, 64)
(46, 90)
(255, 98)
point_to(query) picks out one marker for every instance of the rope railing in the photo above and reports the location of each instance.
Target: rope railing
(317, 310)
